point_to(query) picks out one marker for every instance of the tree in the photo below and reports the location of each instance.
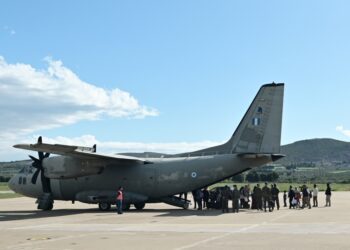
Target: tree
(252, 176)
(238, 178)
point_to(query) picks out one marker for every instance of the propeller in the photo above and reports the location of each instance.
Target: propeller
(38, 165)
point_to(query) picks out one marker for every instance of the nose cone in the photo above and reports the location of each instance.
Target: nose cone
(12, 184)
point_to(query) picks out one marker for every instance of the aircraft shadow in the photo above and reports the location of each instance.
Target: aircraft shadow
(38, 214)
(179, 212)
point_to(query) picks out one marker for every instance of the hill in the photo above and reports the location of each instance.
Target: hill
(318, 151)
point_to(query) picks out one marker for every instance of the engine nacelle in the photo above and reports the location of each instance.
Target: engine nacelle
(64, 167)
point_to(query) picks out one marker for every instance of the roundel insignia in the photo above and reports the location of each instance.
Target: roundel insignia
(194, 175)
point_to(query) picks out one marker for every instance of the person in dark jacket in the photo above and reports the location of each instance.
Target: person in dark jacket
(258, 197)
(306, 197)
(328, 194)
(205, 197)
(266, 194)
(194, 198)
(224, 199)
(285, 198)
(291, 196)
(254, 205)
(199, 198)
(235, 199)
(275, 199)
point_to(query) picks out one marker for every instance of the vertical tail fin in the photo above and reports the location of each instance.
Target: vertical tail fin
(260, 129)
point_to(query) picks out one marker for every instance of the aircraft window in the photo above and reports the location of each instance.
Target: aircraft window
(24, 180)
(256, 121)
(260, 110)
(20, 180)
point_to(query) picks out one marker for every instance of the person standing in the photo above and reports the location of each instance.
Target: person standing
(225, 197)
(314, 196)
(328, 195)
(254, 205)
(120, 200)
(275, 199)
(306, 197)
(266, 193)
(258, 197)
(291, 196)
(199, 198)
(235, 199)
(205, 197)
(285, 198)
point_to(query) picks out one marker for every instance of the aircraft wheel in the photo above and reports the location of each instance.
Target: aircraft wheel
(47, 207)
(186, 206)
(104, 206)
(139, 206)
(50, 207)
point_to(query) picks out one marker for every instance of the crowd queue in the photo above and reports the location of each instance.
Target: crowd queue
(264, 198)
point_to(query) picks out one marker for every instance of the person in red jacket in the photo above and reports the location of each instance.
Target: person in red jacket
(120, 200)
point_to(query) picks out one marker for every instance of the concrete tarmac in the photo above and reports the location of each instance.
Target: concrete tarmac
(159, 226)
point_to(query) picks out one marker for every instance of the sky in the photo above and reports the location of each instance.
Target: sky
(168, 76)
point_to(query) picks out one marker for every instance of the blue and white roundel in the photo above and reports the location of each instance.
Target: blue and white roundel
(194, 175)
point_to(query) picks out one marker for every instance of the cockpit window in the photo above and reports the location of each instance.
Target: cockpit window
(23, 170)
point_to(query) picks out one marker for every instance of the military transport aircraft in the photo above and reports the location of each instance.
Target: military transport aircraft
(82, 174)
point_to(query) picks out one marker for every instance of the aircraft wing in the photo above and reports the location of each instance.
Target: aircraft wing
(79, 152)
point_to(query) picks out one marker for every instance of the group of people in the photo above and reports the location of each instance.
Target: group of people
(263, 199)
(301, 197)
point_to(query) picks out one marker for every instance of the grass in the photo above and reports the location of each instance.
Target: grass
(4, 186)
(10, 195)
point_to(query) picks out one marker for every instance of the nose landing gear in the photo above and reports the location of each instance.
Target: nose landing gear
(45, 202)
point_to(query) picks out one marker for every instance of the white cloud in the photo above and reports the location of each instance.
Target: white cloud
(342, 130)
(33, 99)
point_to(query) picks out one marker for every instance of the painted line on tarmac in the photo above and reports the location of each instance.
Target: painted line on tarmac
(203, 241)
(242, 230)
(216, 237)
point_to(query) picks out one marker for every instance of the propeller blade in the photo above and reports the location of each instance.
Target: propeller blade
(45, 183)
(33, 158)
(46, 155)
(35, 176)
(41, 156)
(40, 140)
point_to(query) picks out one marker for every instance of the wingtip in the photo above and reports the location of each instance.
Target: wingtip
(22, 146)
